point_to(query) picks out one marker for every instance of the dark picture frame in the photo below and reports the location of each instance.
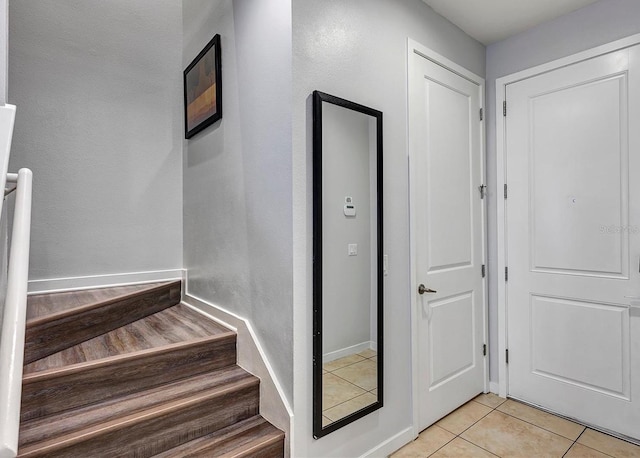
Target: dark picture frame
(203, 89)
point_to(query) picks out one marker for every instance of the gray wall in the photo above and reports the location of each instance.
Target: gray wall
(358, 50)
(591, 26)
(99, 121)
(237, 173)
(347, 302)
(4, 48)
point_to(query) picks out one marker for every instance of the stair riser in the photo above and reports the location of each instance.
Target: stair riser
(68, 388)
(156, 433)
(48, 336)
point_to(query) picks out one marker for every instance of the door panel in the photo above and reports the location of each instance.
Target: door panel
(568, 158)
(573, 241)
(446, 208)
(448, 194)
(570, 326)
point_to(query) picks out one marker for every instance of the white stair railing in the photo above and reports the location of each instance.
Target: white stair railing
(14, 314)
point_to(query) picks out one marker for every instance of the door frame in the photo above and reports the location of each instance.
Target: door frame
(413, 47)
(501, 175)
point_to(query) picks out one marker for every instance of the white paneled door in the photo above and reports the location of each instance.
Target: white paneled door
(446, 159)
(573, 240)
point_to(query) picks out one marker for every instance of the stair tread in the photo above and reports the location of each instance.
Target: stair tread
(170, 326)
(81, 421)
(40, 306)
(241, 439)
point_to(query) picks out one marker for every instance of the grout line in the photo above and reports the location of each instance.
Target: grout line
(591, 448)
(476, 445)
(542, 427)
(354, 384)
(474, 423)
(443, 445)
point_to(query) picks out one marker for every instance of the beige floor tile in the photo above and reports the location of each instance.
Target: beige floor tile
(582, 451)
(368, 353)
(507, 436)
(608, 445)
(489, 400)
(461, 448)
(325, 421)
(460, 419)
(375, 359)
(341, 362)
(411, 450)
(364, 374)
(429, 440)
(374, 392)
(336, 391)
(350, 406)
(544, 420)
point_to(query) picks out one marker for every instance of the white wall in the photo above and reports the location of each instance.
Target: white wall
(358, 50)
(99, 121)
(591, 26)
(4, 48)
(237, 173)
(347, 304)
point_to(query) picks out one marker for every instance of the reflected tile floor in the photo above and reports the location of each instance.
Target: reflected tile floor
(348, 384)
(490, 426)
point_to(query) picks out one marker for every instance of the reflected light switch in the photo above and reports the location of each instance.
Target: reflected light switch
(353, 249)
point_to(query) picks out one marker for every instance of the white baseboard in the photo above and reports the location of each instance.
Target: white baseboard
(357, 348)
(392, 444)
(274, 405)
(494, 387)
(53, 285)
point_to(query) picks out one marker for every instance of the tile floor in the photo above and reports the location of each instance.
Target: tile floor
(490, 426)
(348, 385)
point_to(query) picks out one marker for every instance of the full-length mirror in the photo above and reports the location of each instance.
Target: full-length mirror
(347, 262)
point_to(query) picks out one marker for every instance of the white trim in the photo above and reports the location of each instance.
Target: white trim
(274, 405)
(413, 47)
(392, 444)
(7, 122)
(13, 324)
(352, 350)
(494, 387)
(53, 285)
(501, 84)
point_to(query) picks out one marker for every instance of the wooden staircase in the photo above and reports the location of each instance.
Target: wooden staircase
(130, 372)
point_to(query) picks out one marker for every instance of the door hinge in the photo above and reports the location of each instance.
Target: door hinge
(484, 349)
(505, 190)
(483, 190)
(506, 274)
(484, 271)
(507, 355)
(481, 114)
(504, 108)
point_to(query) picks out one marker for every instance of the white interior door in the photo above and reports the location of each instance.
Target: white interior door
(573, 240)
(447, 214)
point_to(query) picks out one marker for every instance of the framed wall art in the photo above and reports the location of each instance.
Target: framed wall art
(203, 89)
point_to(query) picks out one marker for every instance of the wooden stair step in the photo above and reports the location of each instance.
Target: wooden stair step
(172, 325)
(69, 421)
(253, 437)
(61, 320)
(158, 427)
(182, 343)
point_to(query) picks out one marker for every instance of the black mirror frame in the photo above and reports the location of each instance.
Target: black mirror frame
(318, 99)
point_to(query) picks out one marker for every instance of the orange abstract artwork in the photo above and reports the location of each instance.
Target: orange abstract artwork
(202, 90)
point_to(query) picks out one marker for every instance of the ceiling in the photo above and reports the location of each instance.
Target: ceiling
(489, 21)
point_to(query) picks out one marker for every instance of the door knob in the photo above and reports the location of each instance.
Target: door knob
(422, 289)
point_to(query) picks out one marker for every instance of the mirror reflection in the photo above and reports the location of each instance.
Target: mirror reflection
(349, 282)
